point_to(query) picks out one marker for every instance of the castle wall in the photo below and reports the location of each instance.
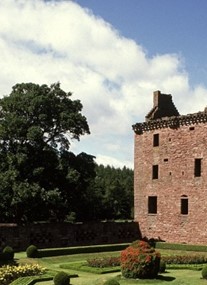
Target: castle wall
(175, 156)
(47, 235)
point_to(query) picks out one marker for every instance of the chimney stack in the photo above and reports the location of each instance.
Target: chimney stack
(163, 106)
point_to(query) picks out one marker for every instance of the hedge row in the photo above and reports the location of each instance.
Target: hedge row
(81, 249)
(115, 247)
(184, 247)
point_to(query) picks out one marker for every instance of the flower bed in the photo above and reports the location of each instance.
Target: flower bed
(9, 273)
(184, 259)
(104, 262)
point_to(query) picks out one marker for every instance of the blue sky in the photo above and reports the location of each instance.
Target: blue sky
(111, 55)
(161, 26)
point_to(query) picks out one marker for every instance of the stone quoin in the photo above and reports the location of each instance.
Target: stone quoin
(170, 173)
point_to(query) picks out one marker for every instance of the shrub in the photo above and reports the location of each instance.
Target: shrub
(111, 281)
(204, 272)
(162, 266)
(32, 251)
(139, 260)
(8, 253)
(61, 278)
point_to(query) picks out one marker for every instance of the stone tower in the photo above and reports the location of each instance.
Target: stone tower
(170, 173)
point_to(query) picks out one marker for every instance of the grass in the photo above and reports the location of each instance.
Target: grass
(71, 263)
(82, 266)
(31, 280)
(173, 277)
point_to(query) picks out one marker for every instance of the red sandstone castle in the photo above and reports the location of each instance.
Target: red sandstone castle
(170, 169)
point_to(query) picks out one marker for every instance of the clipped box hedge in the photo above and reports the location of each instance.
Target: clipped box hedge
(178, 246)
(81, 249)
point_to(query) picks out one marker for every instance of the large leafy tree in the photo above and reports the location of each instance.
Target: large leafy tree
(40, 115)
(37, 124)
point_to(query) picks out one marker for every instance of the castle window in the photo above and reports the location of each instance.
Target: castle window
(184, 205)
(191, 128)
(152, 205)
(155, 170)
(165, 159)
(197, 167)
(156, 140)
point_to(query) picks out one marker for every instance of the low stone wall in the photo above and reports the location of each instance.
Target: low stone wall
(49, 235)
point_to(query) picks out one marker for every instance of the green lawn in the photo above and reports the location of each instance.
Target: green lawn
(174, 277)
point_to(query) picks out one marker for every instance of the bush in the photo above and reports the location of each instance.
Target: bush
(162, 266)
(8, 253)
(32, 251)
(111, 281)
(139, 260)
(204, 272)
(61, 278)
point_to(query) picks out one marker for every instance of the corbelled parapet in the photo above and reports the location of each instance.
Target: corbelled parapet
(165, 115)
(171, 122)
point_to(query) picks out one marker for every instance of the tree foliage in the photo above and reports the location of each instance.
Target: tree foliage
(40, 115)
(40, 178)
(37, 124)
(112, 193)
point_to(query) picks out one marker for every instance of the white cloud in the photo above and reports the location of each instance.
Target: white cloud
(46, 42)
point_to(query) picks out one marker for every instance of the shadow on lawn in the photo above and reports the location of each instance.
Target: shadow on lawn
(165, 278)
(9, 262)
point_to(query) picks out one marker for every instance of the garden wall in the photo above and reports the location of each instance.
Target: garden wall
(49, 235)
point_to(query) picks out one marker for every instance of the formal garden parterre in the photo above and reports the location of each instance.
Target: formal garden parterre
(101, 267)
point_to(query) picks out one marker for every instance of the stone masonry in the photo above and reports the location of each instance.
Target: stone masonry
(50, 235)
(170, 170)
